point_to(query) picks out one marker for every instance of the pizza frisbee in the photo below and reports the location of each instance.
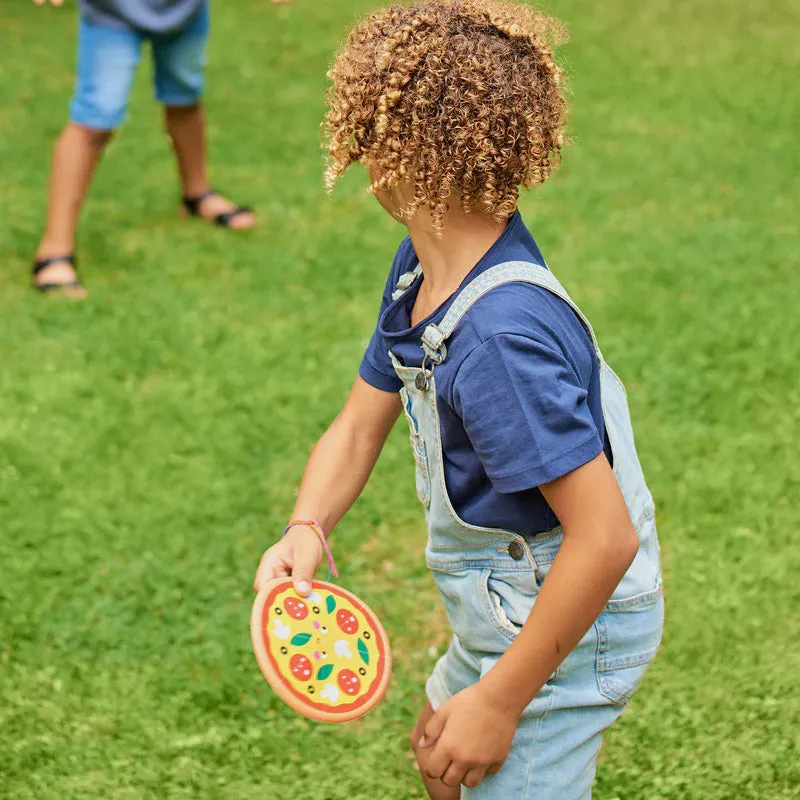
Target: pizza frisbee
(325, 655)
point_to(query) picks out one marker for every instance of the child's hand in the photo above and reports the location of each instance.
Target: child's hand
(297, 554)
(468, 738)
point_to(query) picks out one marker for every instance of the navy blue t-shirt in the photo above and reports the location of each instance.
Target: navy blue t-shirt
(151, 16)
(518, 394)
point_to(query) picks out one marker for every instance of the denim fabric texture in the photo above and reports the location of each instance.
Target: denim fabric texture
(489, 580)
(109, 56)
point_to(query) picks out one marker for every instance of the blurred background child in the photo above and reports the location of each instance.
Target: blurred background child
(110, 38)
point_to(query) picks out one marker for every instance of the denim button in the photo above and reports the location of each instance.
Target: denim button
(516, 551)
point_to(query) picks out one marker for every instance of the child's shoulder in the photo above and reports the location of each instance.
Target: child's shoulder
(527, 311)
(518, 335)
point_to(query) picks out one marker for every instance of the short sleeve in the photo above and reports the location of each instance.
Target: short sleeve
(525, 412)
(376, 366)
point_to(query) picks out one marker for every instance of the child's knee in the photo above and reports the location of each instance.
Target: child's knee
(179, 111)
(97, 138)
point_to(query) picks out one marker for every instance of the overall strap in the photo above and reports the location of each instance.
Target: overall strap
(435, 336)
(405, 281)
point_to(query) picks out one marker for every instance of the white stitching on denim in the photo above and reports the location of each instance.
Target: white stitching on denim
(539, 723)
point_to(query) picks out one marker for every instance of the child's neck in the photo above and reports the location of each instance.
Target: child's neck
(447, 259)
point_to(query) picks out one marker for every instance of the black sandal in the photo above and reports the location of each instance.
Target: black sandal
(43, 263)
(192, 205)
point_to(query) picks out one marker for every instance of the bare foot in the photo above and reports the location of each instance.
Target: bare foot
(63, 279)
(215, 204)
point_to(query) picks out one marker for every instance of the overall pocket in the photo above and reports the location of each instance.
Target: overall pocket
(627, 642)
(422, 472)
(420, 451)
(642, 581)
(508, 599)
(462, 591)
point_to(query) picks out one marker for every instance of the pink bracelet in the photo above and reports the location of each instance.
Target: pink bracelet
(317, 528)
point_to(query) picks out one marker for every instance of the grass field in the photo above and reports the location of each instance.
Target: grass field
(151, 438)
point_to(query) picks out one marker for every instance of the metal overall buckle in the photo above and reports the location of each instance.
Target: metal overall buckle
(435, 352)
(423, 379)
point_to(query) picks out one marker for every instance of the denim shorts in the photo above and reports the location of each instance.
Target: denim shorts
(555, 748)
(107, 62)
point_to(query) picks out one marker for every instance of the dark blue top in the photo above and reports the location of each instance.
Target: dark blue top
(518, 394)
(149, 16)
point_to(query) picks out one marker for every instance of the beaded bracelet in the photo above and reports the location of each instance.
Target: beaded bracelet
(317, 528)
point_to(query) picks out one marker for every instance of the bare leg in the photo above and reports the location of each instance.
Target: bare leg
(77, 153)
(187, 128)
(435, 788)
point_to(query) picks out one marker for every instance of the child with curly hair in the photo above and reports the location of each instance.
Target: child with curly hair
(541, 533)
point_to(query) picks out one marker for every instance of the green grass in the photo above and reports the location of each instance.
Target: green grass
(151, 439)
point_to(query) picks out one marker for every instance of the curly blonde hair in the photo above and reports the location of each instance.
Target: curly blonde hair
(451, 96)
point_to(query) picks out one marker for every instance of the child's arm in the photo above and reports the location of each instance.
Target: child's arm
(52, 2)
(336, 472)
(471, 734)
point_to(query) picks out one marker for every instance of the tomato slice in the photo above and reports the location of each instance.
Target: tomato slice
(295, 608)
(300, 667)
(346, 621)
(348, 682)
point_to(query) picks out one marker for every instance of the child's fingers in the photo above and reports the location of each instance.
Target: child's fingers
(305, 565)
(269, 574)
(437, 764)
(454, 776)
(271, 567)
(474, 777)
(433, 729)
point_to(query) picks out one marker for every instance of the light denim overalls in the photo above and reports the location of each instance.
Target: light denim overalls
(489, 580)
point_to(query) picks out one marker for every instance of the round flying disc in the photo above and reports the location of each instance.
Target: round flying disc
(325, 655)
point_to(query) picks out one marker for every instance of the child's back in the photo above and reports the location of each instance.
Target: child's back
(519, 390)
